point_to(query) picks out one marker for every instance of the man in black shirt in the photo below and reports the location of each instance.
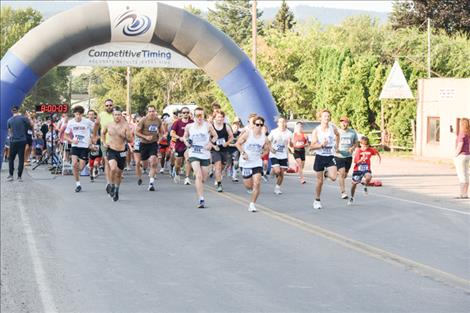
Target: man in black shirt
(18, 126)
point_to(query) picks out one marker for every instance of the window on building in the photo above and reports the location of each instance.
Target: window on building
(434, 130)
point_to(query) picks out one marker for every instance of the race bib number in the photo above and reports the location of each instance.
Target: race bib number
(327, 150)
(80, 138)
(346, 141)
(153, 128)
(247, 172)
(299, 143)
(196, 149)
(220, 141)
(363, 167)
(123, 154)
(280, 148)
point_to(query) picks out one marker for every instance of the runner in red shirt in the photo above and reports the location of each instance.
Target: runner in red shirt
(362, 173)
(299, 142)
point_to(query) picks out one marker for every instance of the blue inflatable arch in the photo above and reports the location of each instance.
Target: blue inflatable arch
(91, 24)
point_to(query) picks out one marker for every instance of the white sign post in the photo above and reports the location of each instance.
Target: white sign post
(396, 87)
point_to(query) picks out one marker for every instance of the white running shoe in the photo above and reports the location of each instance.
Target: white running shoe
(277, 190)
(351, 201)
(252, 207)
(187, 181)
(177, 179)
(317, 205)
(249, 191)
(162, 170)
(344, 195)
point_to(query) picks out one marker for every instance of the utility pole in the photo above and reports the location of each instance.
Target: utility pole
(128, 101)
(429, 47)
(253, 31)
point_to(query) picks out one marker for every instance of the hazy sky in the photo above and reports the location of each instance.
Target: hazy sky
(380, 6)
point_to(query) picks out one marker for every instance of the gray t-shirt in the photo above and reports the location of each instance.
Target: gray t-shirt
(347, 139)
(19, 125)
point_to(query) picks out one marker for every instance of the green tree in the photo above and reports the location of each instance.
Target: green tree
(449, 15)
(14, 24)
(234, 19)
(284, 19)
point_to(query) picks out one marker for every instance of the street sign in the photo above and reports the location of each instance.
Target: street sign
(396, 86)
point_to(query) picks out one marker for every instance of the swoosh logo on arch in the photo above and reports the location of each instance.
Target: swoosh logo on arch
(133, 23)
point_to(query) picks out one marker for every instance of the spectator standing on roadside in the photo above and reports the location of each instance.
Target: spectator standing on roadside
(462, 156)
(17, 127)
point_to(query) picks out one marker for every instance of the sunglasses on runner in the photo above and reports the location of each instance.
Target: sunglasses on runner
(185, 112)
(259, 125)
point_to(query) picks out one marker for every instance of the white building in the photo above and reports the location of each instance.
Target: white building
(442, 102)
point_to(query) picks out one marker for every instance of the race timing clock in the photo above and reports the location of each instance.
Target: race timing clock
(52, 108)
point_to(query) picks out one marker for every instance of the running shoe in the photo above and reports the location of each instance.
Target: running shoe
(351, 201)
(108, 189)
(92, 178)
(139, 181)
(302, 181)
(366, 192)
(265, 178)
(78, 188)
(187, 181)
(116, 196)
(277, 190)
(20, 179)
(162, 170)
(151, 187)
(111, 193)
(234, 179)
(252, 207)
(219, 188)
(211, 173)
(10, 178)
(344, 195)
(201, 204)
(317, 205)
(126, 169)
(249, 191)
(177, 179)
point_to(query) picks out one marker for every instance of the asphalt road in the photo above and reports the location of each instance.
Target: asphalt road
(393, 251)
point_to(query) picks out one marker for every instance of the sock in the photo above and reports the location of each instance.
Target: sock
(77, 183)
(152, 180)
(116, 189)
(219, 183)
(201, 198)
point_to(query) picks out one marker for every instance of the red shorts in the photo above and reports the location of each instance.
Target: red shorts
(164, 150)
(265, 157)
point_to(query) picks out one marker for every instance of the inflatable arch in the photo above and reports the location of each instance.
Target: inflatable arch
(95, 23)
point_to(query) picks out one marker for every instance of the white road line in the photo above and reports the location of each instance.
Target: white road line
(46, 297)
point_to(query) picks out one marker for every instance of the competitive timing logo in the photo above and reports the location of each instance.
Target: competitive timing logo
(133, 23)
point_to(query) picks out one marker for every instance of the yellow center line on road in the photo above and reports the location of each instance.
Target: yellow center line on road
(361, 247)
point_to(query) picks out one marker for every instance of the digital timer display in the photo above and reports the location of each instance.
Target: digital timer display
(52, 108)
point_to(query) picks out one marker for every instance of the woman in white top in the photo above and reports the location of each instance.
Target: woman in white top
(252, 144)
(280, 139)
(199, 137)
(325, 137)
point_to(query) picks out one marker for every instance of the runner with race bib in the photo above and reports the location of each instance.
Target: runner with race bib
(252, 144)
(198, 138)
(362, 173)
(280, 139)
(325, 138)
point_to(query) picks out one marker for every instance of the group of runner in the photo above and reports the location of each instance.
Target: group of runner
(195, 141)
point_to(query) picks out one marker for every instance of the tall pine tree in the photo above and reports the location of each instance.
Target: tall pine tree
(284, 19)
(234, 19)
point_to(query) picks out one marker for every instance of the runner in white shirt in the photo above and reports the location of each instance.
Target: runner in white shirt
(78, 133)
(252, 144)
(325, 137)
(280, 141)
(199, 137)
